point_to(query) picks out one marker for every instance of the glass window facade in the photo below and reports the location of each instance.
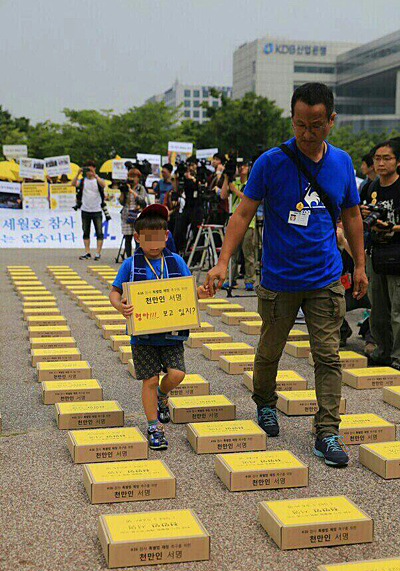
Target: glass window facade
(300, 68)
(196, 93)
(196, 114)
(187, 103)
(186, 114)
(187, 93)
(196, 103)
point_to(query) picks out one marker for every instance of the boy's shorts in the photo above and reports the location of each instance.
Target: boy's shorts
(150, 360)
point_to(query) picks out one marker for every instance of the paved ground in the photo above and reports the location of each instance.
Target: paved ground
(47, 521)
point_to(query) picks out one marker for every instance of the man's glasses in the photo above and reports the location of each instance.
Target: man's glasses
(385, 159)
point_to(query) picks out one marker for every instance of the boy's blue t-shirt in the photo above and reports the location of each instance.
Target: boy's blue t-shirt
(124, 274)
(300, 258)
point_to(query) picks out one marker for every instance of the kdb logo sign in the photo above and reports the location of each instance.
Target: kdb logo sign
(268, 48)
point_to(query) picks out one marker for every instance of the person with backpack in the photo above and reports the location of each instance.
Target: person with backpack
(90, 198)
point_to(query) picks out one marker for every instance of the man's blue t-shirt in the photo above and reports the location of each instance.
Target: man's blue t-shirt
(300, 258)
(162, 188)
(124, 274)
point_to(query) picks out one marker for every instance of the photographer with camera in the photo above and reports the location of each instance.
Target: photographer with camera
(247, 245)
(382, 221)
(90, 197)
(193, 212)
(133, 199)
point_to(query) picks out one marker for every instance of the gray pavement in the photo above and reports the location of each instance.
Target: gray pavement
(46, 519)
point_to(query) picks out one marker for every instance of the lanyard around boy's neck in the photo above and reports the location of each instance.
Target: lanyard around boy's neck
(159, 277)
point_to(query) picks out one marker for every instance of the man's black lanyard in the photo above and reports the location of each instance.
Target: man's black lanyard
(300, 204)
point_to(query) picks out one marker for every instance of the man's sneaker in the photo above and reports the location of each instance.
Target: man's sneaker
(333, 449)
(85, 257)
(268, 420)
(97, 257)
(162, 409)
(156, 437)
(225, 285)
(249, 286)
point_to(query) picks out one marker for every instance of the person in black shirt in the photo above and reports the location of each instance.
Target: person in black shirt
(193, 212)
(367, 169)
(384, 290)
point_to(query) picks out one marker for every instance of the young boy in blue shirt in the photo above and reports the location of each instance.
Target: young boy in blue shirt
(160, 351)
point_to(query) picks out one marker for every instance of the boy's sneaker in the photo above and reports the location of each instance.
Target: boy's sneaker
(85, 257)
(97, 257)
(268, 420)
(333, 449)
(156, 437)
(162, 409)
(249, 286)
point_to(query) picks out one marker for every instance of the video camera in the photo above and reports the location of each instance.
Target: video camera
(143, 166)
(230, 167)
(378, 211)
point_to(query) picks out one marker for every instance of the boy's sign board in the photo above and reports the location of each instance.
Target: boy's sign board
(160, 306)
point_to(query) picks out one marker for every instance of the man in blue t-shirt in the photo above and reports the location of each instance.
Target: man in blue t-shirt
(301, 264)
(165, 183)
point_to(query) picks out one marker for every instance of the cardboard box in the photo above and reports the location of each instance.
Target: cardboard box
(217, 309)
(213, 351)
(365, 428)
(52, 342)
(89, 305)
(348, 360)
(391, 564)
(55, 355)
(27, 283)
(201, 409)
(35, 298)
(301, 403)
(298, 335)
(148, 538)
(315, 522)
(383, 458)
(104, 310)
(193, 385)
(43, 320)
(33, 292)
(71, 391)
(49, 331)
(298, 348)
(91, 414)
(251, 327)
(107, 445)
(265, 470)
(125, 353)
(235, 317)
(104, 319)
(371, 377)
(28, 311)
(285, 381)
(131, 368)
(108, 330)
(236, 364)
(197, 340)
(203, 303)
(204, 327)
(64, 371)
(229, 436)
(118, 341)
(128, 481)
(38, 304)
(391, 395)
(83, 299)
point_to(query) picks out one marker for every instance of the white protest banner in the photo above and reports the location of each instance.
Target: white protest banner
(34, 195)
(49, 229)
(15, 151)
(56, 166)
(178, 151)
(155, 162)
(119, 170)
(31, 168)
(62, 196)
(10, 195)
(206, 154)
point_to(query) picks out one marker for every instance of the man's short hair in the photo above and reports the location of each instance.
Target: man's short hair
(89, 164)
(191, 159)
(150, 222)
(168, 166)
(392, 144)
(220, 157)
(312, 94)
(368, 159)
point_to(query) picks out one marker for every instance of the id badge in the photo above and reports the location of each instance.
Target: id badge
(299, 218)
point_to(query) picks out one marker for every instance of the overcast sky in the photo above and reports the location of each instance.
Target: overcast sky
(113, 54)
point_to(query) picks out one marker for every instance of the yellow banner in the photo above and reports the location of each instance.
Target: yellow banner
(162, 305)
(34, 189)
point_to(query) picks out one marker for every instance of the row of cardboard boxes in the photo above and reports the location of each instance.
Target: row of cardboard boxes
(113, 527)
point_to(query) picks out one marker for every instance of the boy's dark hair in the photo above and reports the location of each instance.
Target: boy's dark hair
(393, 145)
(150, 222)
(312, 94)
(89, 164)
(368, 159)
(168, 166)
